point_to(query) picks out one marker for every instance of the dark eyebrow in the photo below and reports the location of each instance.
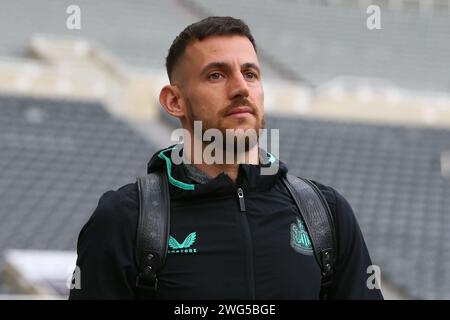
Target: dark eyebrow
(223, 65)
(215, 65)
(251, 65)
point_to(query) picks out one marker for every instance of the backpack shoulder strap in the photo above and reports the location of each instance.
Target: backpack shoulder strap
(318, 220)
(153, 229)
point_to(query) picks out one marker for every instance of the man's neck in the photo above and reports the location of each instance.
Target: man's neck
(231, 169)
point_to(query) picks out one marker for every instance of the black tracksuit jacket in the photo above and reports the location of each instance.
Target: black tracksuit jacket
(218, 249)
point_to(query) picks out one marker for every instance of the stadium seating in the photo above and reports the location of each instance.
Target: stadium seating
(57, 158)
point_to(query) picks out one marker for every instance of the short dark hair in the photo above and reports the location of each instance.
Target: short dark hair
(211, 26)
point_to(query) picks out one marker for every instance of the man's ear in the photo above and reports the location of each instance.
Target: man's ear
(170, 98)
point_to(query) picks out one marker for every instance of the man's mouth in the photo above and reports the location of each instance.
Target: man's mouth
(240, 112)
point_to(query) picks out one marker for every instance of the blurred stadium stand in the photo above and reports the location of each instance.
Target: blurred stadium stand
(58, 157)
(367, 112)
(298, 38)
(139, 32)
(319, 40)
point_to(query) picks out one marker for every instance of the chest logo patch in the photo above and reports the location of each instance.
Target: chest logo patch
(300, 241)
(185, 246)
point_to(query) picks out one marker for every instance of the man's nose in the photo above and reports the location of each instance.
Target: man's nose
(238, 86)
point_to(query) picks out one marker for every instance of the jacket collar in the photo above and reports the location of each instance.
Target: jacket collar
(187, 183)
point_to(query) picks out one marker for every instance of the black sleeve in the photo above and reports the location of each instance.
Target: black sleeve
(106, 249)
(351, 276)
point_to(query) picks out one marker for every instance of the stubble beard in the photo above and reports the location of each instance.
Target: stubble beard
(230, 146)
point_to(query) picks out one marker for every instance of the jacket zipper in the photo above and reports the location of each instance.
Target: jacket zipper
(249, 247)
(240, 193)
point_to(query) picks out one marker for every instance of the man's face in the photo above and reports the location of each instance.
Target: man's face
(220, 83)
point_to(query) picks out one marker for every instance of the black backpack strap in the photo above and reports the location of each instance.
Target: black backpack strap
(153, 229)
(319, 224)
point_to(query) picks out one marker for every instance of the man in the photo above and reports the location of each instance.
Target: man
(232, 228)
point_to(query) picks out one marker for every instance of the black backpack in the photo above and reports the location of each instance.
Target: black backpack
(154, 218)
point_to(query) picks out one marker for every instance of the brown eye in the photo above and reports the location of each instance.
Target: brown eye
(215, 76)
(251, 75)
